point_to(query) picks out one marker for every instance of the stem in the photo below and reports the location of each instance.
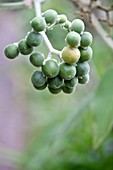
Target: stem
(37, 5)
(12, 5)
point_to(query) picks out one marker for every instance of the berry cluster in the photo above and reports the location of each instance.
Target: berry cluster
(73, 67)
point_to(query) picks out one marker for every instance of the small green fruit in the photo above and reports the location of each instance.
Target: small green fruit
(50, 68)
(84, 79)
(86, 39)
(34, 38)
(73, 39)
(82, 69)
(85, 54)
(78, 26)
(38, 24)
(54, 91)
(70, 54)
(68, 90)
(50, 16)
(24, 48)
(38, 79)
(41, 87)
(67, 24)
(61, 19)
(71, 83)
(11, 51)
(67, 71)
(55, 82)
(37, 59)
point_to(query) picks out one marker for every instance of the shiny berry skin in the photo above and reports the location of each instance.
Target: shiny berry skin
(84, 79)
(37, 59)
(11, 51)
(41, 87)
(85, 54)
(86, 39)
(78, 26)
(70, 54)
(34, 38)
(50, 68)
(38, 24)
(24, 48)
(50, 16)
(68, 90)
(67, 71)
(82, 69)
(55, 82)
(73, 39)
(54, 91)
(61, 19)
(38, 79)
(71, 83)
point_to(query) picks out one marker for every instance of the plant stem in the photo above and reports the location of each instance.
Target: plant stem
(37, 5)
(12, 5)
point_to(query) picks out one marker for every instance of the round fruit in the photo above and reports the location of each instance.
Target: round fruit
(84, 79)
(41, 87)
(70, 54)
(50, 16)
(38, 24)
(11, 51)
(71, 83)
(62, 19)
(68, 90)
(34, 38)
(54, 91)
(24, 48)
(55, 82)
(50, 68)
(67, 24)
(78, 26)
(86, 39)
(37, 59)
(67, 71)
(73, 39)
(38, 79)
(82, 69)
(85, 54)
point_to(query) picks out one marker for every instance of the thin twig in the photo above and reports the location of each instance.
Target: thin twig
(12, 5)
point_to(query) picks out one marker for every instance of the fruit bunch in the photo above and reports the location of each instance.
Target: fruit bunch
(73, 67)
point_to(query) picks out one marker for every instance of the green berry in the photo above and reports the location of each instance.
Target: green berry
(67, 71)
(84, 79)
(37, 59)
(68, 90)
(78, 26)
(55, 82)
(11, 51)
(67, 24)
(50, 68)
(38, 24)
(71, 83)
(24, 48)
(38, 79)
(62, 19)
(70, 54)
(54, 91)
(85, 54)
(34, 38)
(86, 39)
(50, 16)
(41, 87)
(73, 39)
(82, 69)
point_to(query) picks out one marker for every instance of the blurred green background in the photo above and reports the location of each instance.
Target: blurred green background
(41, 131)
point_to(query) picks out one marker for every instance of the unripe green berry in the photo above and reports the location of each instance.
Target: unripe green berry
(54, 91)
(38, 79)
(37, 59)
(71, 83)
(38, 24)
(86, 39)
(11, 51)
(34, 38)
(67, 71)
(67, 24)
(82, 69)
(85, 54)
(84, 79)
(50, 68)
(55, 82)
(73, 39)
(78, 26)
(41, 87)
(68, 90)
(50, 16)
(61, 19)
(24, 48)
